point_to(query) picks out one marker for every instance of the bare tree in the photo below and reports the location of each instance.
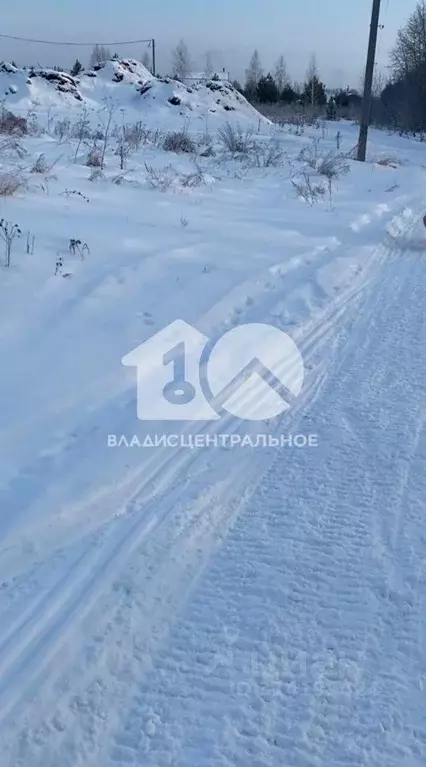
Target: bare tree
(111, 108)
(409, 53)
(208, 66)
(405, 96)
(146, 61)
(254, 72)
(95, 56)
(123, 146)
(281, 75)
(181, 61)
(99, 55)
(379, 83)
(312, 78)
(312, 70)
(82, 130)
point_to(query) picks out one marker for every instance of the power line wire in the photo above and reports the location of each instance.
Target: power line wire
(53, 42)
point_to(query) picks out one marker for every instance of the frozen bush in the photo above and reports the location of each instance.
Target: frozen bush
(332, 166)
(234, 140)
(94, 159)
(307, 189)
(179, 141)
(12, 125)
(11, 182)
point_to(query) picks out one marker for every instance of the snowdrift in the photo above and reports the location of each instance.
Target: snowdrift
(130, 85)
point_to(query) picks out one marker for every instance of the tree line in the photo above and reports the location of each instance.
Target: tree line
(403, 99)
(400, 103)
(273, 87)
(276, 86)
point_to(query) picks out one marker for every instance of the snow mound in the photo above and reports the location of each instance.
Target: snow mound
(25, 87)
(130, 85)
(120, 70)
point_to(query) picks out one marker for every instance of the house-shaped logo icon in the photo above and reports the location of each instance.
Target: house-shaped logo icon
(253, 372)
(168, 375)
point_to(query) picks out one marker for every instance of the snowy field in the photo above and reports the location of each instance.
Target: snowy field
(223, 606)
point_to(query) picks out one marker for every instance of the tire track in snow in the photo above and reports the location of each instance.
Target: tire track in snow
(326, 637)
(233, 306)
(29, 652)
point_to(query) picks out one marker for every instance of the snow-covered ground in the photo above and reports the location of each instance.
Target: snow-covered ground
(132, 88)
(219, 605)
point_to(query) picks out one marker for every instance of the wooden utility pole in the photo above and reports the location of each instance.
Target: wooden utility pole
(153, 57)
(368, 84)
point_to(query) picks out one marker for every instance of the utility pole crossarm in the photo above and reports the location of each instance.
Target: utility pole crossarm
(368, 85)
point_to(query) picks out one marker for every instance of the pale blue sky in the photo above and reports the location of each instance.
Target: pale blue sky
(336, 30)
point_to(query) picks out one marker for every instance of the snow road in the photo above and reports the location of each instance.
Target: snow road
(262, 608)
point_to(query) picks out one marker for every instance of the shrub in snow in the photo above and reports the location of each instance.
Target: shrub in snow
(62, 129)
(161, 179)
(97, 174)
(78, 248)
(12, 146)
(12, 124)
(234, 140)
(389, 162)
(310, 154)
(267, 155)
(332, 166)
(34, 129)
(135, 135)
(190, 180)
(168, 177)
(9, 232)
(94, 159)
(178, 141)
(10, 183)
(307, 189)
(119, 178)
(40, 165)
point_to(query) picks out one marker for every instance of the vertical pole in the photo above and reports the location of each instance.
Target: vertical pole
(153, 57)
(368, 85)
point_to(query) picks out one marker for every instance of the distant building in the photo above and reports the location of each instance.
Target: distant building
(222, 75)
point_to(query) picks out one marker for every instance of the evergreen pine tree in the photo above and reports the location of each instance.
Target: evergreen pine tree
(267, 91)
(76, 68)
